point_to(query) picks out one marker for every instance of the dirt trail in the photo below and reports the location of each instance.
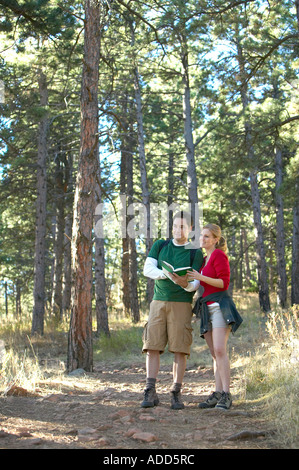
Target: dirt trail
(102, 410)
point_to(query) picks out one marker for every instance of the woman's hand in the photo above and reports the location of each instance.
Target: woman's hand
(194, 275)
(208, 280)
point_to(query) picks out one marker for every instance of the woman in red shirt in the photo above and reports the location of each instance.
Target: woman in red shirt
(214, 276)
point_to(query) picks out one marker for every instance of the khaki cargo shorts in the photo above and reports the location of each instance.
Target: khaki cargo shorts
(168, 322)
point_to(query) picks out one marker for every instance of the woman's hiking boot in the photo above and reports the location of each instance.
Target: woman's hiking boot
(211, 401)
(225, 401)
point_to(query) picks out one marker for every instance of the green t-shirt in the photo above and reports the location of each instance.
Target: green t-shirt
(179, 257)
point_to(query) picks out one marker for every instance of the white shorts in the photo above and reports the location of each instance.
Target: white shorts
(216, 316)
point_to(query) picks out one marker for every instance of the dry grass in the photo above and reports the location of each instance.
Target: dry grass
(264, 354)
(27, 361)
(272, 375)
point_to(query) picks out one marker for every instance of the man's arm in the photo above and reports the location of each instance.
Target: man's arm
(151, 269)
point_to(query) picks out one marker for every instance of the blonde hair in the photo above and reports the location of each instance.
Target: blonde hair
(216, 232)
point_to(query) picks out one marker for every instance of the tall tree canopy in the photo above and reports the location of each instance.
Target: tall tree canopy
(197, 104)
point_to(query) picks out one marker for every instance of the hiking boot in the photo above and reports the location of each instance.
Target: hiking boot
(150, 398)
(176, 401)
(211, 401)
(225, 401)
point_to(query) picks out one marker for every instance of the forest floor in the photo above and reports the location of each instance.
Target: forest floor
(101, 410)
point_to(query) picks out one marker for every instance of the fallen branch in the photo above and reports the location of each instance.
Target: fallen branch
(249, 435)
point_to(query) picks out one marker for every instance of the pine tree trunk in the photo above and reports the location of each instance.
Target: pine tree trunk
(129, 258)
(143, 175)
(133, 267)
(247, 263)
(125, 261)
(41, 215)
(240, 274)
(100, 283)
(233, 262)
(189, 143)
(142, 164)
(67, 272)
(125, 275)
(170, 197)
(272, 271)
(80, 354)
(297, 13)
(67, 256)
(295, 249)
(6, 298)
(280, 237)
(18, 299)
(56, 304)
(142, 157)
(264, 298)
(260, 248)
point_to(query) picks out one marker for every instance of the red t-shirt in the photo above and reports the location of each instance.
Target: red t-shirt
(217, 268)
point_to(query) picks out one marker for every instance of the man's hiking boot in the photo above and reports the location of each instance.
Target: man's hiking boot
(150, 398)
(176, 401)
(225, 401)
(211, 401)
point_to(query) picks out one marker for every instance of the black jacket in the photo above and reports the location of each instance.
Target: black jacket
(227, 307)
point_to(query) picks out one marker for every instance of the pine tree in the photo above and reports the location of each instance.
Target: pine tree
(80, 354)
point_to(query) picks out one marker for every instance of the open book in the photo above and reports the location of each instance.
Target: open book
(168, 268)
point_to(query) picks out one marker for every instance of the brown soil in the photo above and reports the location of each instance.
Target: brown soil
(101, 410)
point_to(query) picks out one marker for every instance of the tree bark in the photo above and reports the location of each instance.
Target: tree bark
(264, 298)
(129, 258)
(133, 267)
(280, 237)
(18, 299)
(297, 13)
(295, 249)
(125, 261)
(240, 272)
(188, 135)
(67, 272)
(247, 263)
(80, 354)
(41, 214)
(56, 304)
(170, 198)
(143, 171)
(100, 282)
(6, 298)
(67, 256)
(142, 157)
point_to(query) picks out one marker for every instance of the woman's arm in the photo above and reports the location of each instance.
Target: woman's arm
(208, 280)
(220, 267)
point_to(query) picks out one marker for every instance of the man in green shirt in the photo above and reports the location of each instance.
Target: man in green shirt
(170, 310)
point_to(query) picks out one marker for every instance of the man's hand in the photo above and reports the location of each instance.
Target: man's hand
(180, 280)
